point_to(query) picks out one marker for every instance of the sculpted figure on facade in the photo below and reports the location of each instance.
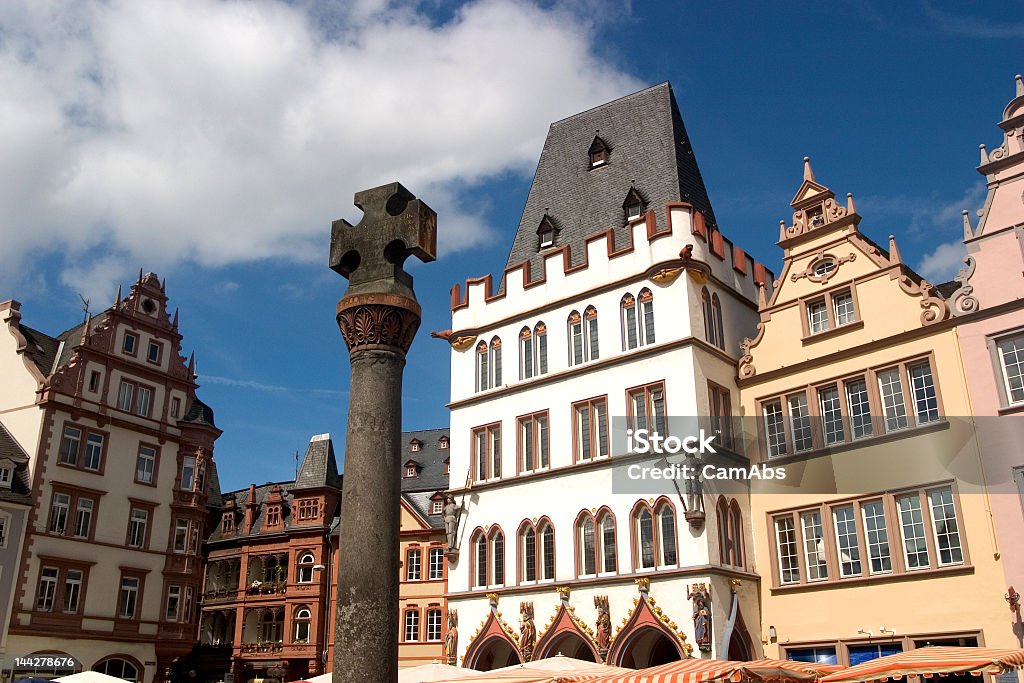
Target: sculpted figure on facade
(700, 594)
(603, 632)
(451, 519)
(451, 638)
(527, 631)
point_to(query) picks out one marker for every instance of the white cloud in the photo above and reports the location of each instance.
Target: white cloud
(943, 263)
(223, 132)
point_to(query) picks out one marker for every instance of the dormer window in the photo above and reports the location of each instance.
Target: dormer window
(410, 469)
(414, 446)
(273, 515)
(227, 522)
(442, 443)
(546, 232)
(437, 507)
(598, 152)
(447, 466)
(633, 206)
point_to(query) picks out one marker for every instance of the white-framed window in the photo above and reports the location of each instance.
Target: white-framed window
(413, 563)
(303, 616)
(845, 521)
(173, 606)
(138, 521)
(800, 422)
(785, 544)
(436, 564)
(70, 444)
(817, 316)
(83, 517)
(814, 545)
(412, 625)
(1011, 362)
(436, 507)
(145, 465)
(831, 409)
(60, 505)
(72, 590)
(915, 545)
(47, 589)
(890, 388)
(6, 476)
(646, 406)
(488, 364)
(188, 472)
(128, 596)
(945, 529)
(305, 568)
(487, 452)
(134, 398)
(876, 537)
(433, 625)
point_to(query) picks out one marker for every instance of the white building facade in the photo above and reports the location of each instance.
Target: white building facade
(622, 304)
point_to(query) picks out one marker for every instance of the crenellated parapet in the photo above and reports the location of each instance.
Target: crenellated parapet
(655, 250)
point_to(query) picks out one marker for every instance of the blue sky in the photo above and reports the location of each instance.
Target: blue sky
(214, 143)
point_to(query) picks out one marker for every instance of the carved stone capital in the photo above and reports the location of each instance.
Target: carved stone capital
(385, 322)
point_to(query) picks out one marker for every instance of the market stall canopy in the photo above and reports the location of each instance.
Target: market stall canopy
(557, 669)
(726, 671)
(928, 661)
(429, 673)
(89, 677)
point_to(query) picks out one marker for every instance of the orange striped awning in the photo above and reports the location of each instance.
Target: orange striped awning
(928, 661)
(725, 671)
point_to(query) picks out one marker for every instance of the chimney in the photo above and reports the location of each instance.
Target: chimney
(250, 509)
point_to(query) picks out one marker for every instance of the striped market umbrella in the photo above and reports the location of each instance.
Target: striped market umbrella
(929, 661)
(726, 671)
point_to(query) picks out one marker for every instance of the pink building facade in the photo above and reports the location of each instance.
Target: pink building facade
(990, 300)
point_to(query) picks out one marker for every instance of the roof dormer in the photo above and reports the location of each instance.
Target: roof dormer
(599, 152)
(442, 443)
(547, 232)
(410, 469)
(634, 205)
(415, 446)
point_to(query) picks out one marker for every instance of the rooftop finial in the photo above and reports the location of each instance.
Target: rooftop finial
(140, 276)
(782, 230)
(808, 173)
(1020, 85)
(117, 297)
(968, 230)
(87, 328)
(894, 252)
(849, 204)
(163, 285)
(174, 323)
(192, 365)
(984, 154)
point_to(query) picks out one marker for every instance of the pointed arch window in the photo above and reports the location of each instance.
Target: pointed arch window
(712, 307)
(595, 544)
(526, 363)
(496, 550)
(537, 552)
(599, 152)
(654, 536)
(583, 336)
(488, 558)
(637, 320)
(533, 351)
(716, 312)
(488, 364)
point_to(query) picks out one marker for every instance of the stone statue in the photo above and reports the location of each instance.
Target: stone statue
(700, 594)
(603, 635)
(378, 317)
(451, 638)
(451, 519)
(527, 631)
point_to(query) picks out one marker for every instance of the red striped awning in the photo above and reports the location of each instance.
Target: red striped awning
(928, 661)
(725, 671)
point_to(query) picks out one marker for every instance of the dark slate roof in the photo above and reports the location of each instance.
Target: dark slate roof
(649, 150)
(20, 491)
(42, 348)
(214, 499)
(430, 474)
(319, 467)
(420, 501)
(199, 413)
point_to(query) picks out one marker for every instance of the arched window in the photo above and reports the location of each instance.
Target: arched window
(483, 373)
(590, 318)
(306, 561)
(736, 534)
(716, 310)
(637, 325)
(488, 364)
(479, 545)
(526, 363)
(606, 524)
(272, 626)
(495, 362)
(655, 538)
(709, 316)
(730, 532)
(496, 543)
(576, 345)
(540, 340)
(118, 668)
(595, 543)
(302, 619)
(588, 547)
(537, 552)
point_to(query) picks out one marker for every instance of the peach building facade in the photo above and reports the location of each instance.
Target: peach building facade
(880, 538)
(990, 300)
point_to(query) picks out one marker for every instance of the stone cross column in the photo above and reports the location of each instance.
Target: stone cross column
(378, 318)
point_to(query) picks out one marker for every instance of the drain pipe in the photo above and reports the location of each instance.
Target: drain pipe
(734, 585)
